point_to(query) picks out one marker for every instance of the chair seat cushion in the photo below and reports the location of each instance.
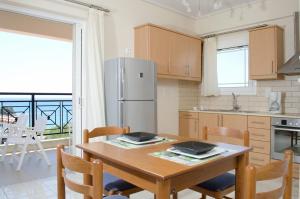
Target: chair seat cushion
(108, 178)
(111, 182)
(115, 197)
(219, 183)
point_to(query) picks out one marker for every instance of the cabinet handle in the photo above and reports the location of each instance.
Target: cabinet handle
(196, 126)
(220, 120)
(258, 159)
(258, 147)
(258, 135)
(272, 67)
(189, 69)
(254, 122)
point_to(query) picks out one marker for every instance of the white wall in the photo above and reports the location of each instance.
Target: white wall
(119, 39)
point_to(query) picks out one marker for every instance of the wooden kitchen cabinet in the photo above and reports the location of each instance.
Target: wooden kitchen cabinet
(194, 57)
(153, 43)
(234, 121)
(177, 55)
(259, 128)
(265, 52)
(188, 124)
(209, 120)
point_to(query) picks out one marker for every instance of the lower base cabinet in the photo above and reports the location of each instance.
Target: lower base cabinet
(188, 124)
(191, 125)
(259, 159)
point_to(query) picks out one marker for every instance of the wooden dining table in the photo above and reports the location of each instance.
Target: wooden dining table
(164, 177)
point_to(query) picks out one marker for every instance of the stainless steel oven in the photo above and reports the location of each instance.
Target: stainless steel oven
(285, 135)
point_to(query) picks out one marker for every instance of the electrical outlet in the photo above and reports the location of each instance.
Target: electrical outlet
(128, 52)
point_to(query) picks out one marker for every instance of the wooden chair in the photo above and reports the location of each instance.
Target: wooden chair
(224, 184)
(111, 184)
(271, 171)
(76, 164)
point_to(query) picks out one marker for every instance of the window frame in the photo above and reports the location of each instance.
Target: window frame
(250, 89)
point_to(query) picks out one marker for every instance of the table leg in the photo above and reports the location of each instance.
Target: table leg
(240, 175)
(87, 179)
(163, 189)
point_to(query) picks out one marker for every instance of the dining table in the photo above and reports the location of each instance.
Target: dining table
(161, 176)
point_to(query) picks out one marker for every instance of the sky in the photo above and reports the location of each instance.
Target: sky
(34, 64)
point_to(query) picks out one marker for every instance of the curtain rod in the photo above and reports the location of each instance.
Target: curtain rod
(233, 31)
(88, 5)
(208, 35)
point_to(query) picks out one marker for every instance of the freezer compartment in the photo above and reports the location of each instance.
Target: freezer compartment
(137, 79)
(138, 115)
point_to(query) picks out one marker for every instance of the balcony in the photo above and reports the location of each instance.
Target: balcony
(56, 107)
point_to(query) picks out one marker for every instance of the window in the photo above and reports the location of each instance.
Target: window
(233, 72)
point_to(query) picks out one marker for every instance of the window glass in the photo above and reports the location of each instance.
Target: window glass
(31, 63)
(233, 71)
(233, 67)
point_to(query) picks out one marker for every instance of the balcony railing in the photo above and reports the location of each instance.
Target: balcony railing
(56, 107)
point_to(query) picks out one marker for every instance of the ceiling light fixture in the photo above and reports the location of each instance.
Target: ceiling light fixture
(263, 5)
(199, 8)
(187, 5)
(217, 4)
(231, 12)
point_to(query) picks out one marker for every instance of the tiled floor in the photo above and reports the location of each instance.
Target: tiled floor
(46, 188)
(34, 167)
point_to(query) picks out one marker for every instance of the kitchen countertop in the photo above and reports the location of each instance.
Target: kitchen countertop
(266, 114)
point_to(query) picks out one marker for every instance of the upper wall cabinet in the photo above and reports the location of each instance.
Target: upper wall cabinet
(178, 56)
(266, 52)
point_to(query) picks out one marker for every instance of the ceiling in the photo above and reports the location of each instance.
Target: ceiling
(191, 7)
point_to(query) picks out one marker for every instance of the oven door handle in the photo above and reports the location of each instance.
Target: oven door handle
(286, 129)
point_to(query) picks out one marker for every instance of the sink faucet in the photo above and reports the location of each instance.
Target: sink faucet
(235, 105)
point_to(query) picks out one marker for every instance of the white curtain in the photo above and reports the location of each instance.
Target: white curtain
(210, 76)
(94, 91)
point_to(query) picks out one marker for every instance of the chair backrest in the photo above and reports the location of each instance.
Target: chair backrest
(278, 169)
(16, 130)
(227, 135)
(76, 164)
(103, 131)
(40, 125)
(22, 120)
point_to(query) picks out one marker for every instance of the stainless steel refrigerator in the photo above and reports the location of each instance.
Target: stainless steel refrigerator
(130, 94)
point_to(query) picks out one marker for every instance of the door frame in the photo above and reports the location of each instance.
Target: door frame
(78, 60)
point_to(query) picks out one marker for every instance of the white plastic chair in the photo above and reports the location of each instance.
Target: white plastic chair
(13, 130)
(28, 136)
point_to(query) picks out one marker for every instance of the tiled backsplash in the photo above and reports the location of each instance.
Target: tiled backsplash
(190, 96)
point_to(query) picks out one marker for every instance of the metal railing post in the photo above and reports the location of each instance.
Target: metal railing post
(33, 109)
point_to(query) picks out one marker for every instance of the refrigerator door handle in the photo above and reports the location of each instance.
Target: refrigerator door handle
(121, 114)
(122, 82)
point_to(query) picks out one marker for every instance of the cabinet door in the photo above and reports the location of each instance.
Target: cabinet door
(208, 120)
(188, 124)
(179, 54)
(141, 43)
(188, 128)
(160, 49)
(262, 53)
(194, 57)
(235, 121)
